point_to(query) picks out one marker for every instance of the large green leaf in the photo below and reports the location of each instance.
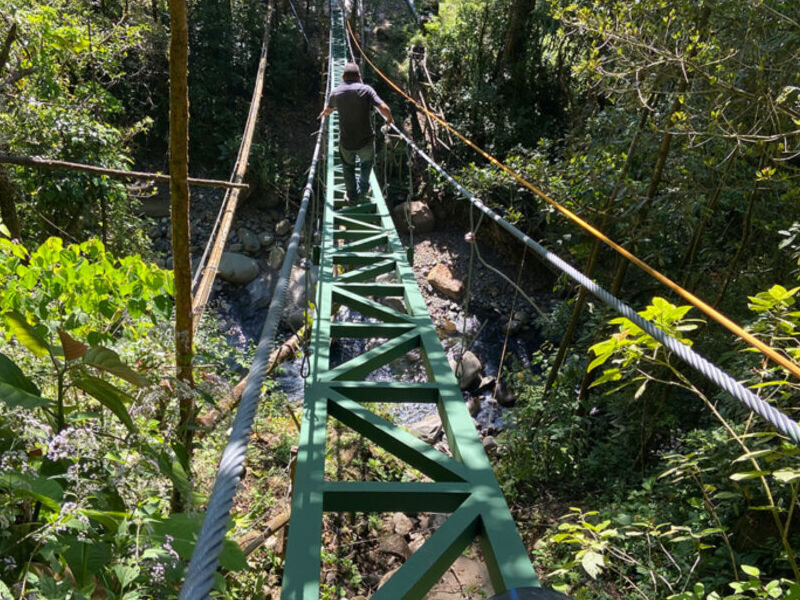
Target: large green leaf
(42, 489)
(10, 373)
(14, 397)
(26, 335)
(109, 396)
(109, 361)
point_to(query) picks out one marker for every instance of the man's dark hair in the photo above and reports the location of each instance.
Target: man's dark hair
(351, 72)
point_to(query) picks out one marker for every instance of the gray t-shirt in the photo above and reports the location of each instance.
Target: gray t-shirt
(354, 101)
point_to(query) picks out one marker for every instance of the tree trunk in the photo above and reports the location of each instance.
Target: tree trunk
(179, 194)
(592, 262)
(5, 52)
(688, 260)
(8, 205)
(517, 35)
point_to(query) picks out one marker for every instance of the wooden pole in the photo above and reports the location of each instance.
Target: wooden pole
(46, 163)
(179, 194)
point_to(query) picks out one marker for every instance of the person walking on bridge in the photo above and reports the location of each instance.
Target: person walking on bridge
(354, 101)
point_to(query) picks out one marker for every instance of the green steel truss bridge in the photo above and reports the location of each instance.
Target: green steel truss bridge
(362, 261)
(359, 244)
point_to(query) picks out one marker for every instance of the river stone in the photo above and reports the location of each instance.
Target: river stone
(429, 429)
(473, 406)
(266, 239)
(505, 397)
(283, 227)
(421, 217)
(237, 268)
(395, 544)
(276, 256)
(468, 371)
(296, 301)
(249, 240)
(402, 524)
(260, 291)
(237, 247)
(489, 443)
(442, 280)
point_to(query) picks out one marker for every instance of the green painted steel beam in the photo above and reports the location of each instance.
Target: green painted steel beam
(367, 272)
(388, 391)
(369, 330)
(389, 496)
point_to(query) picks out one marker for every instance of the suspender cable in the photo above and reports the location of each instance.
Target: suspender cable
(228, 208)
(710, 311)
(779, 420)
(200, 575)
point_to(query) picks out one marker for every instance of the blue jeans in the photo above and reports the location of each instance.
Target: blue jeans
(366, 156)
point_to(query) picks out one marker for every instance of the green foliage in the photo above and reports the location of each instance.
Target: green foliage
(87, 457)
(64, 61)
(77, 287)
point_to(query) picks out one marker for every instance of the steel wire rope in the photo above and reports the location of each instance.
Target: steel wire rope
(710, 311)
(205, 557)
(710, 371)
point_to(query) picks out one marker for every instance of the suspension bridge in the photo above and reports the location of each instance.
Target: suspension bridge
(361, 262)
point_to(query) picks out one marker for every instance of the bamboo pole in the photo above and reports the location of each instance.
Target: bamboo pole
(46, 163)
(232, 197)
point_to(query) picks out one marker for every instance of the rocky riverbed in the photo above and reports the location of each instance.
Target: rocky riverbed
(474, 332)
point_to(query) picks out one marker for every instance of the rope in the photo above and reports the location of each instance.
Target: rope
(203, 565)
(717, 376)
(710, 311)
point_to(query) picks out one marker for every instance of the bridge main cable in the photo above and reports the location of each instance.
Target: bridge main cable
(709, 310)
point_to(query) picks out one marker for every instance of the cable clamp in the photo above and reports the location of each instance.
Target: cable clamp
(469, 237)
(305, 264)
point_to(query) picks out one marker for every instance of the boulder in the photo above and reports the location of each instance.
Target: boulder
(429, 429)
(395, 544)
(237, 268)
(276, 256)
(473, 406)
(505, 397)
(249, 240)
(260, 291)
(489, 443)
(283, 227)
(296, 301)
(468, 371)
(421, 217)
(402, 524)
(443, 281)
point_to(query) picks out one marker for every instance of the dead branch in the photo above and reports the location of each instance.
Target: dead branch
(44, 163)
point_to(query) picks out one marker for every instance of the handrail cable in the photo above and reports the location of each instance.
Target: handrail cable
(203, 565)
(775, 417)
(710, 311)
(222, 226)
